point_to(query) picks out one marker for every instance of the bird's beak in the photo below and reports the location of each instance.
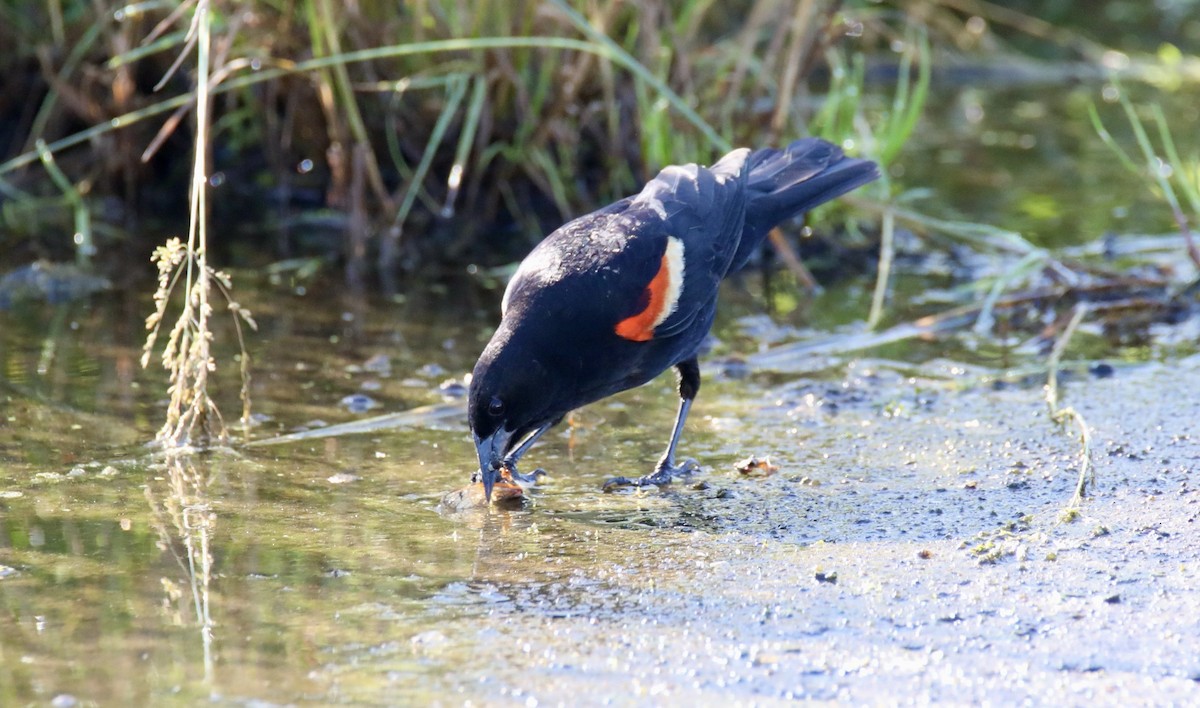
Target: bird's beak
(491, 452)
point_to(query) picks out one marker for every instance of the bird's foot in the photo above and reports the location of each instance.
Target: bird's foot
(531, 478)
(661, 476)
(509, 474)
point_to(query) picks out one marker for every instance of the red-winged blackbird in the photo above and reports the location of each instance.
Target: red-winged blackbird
(612, 299)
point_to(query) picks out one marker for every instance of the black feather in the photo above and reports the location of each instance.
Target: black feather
(785, 183)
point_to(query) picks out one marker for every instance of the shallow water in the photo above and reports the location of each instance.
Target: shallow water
(911, 543)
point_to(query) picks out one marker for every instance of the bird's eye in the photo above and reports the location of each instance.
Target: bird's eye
(496, 407)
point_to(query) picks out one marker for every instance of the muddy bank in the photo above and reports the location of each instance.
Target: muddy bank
(912, 547)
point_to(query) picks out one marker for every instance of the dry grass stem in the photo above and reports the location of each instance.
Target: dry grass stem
(1064, 415)
(192, 417)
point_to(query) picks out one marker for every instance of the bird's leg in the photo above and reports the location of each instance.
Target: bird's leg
(666, 469)
(689, 386)
(510, 460)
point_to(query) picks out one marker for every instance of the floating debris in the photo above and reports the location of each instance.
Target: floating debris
(415, 417)
(505, 492)
(472, 496)
(756, 466)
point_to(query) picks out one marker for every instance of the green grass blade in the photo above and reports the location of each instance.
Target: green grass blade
(162, 44)
(1189, 184)
(84, 245)
(454, 96)
(607, 51)
(614, 52)
(1107, 138)
(465, 139)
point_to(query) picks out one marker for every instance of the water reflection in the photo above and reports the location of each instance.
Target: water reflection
(338, 581)
(182, 515)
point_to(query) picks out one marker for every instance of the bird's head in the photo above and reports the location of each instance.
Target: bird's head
(511, 398)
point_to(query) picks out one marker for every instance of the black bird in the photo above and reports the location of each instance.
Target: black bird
(612, 299)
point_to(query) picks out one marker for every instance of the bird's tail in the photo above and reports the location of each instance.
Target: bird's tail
(788, 182)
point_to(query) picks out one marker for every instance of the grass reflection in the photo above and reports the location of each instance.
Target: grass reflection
(185, 522)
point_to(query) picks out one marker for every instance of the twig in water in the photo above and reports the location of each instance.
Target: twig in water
(792, 260)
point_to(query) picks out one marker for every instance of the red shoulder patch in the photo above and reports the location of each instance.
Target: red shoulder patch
(661, 296)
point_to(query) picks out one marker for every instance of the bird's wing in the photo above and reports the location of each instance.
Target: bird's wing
(550, 262)
(691, 219)
(643, 268)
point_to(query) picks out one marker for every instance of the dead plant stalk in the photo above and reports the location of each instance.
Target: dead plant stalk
(1062, 415)
(192, 415)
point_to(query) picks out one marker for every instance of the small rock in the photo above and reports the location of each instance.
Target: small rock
(427, 640)
(453, 388)
(431, 371)
(823, 577)
(379, 364)
(359, 403)
(734, 368)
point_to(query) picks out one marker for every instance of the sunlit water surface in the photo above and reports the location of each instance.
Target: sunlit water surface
(322, 571)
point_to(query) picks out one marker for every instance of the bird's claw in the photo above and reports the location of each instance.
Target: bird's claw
(509, 473)
(661, 476)
(531, 478)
